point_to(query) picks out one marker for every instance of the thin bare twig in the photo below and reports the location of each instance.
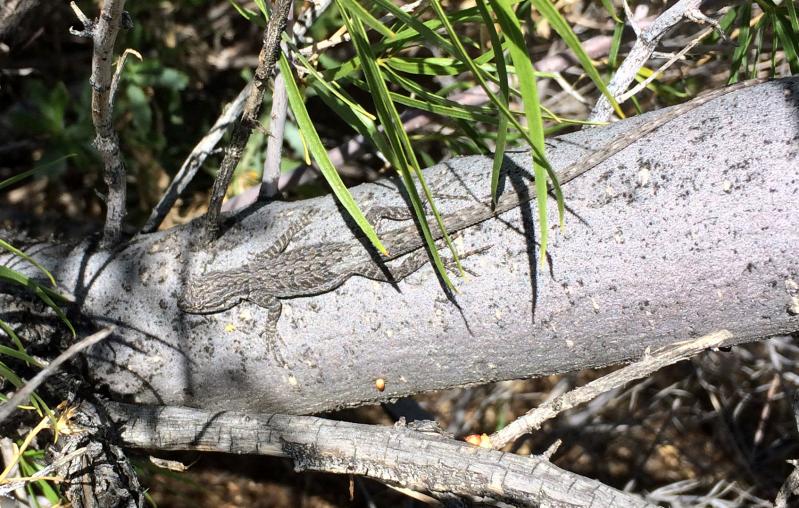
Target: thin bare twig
(533, 419)
(195, 160)
(25, 392)
(206, 145)
(657, 74)
(10, 484)
(274, 145)
(645, 44)
(103, 33)
(249, 118)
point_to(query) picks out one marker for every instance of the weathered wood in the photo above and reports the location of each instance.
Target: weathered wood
(401, 456)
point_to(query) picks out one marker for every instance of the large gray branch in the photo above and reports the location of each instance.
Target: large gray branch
(686, 232)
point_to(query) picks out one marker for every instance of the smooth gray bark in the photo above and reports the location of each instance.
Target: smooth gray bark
(686, 232)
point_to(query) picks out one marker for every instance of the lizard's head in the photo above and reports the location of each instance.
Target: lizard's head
(206, 296)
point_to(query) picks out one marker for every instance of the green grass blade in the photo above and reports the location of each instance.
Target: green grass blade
(332, 88)
(243, 11)
(538, 154)
(19, 353)
(10, 248)
(457, 111)
(366, 17)
(561, 26)
(527, 84)
(739, 56)
(362, 125)
(25, 174)
(262, 7)
(464, 111)
(608, 5)
(791, 6)
(41, 292)
(319, 154)
(8, 351)
(7, 373)
(504, 94)
(414, 23)
(427, 66)
(13, 336)
(615, 45)
(788, 39)
(403, 156)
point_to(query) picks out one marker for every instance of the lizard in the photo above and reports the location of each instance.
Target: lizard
(277, 274)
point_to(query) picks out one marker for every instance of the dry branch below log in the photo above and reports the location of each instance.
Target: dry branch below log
(401, 456)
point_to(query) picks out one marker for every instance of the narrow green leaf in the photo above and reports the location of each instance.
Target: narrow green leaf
(739, 56)
(413, 22)
(319, 154)
(366, 17)
(615, 45)
(504, 93)
(561, 26)
(7, 373)
(25, 174)
(13, 336)
(457, 111)
(428, 66)
(791, 6)
(409, 35)
(608, 5)
(402, 156)
(465, 111)
(10, 248)
(758, 48)
(332, 87)
(262, 7)
(524, 72)
(243, 11)
(5, 350)
(789, 42)
(42, 293)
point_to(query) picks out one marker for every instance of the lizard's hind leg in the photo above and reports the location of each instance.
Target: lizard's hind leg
(285, 238)
(412, 262)
(269, 333)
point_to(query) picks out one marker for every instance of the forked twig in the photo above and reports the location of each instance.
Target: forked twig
(103, 33)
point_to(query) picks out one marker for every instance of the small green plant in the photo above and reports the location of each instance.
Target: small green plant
(30, 460)
(762, 36)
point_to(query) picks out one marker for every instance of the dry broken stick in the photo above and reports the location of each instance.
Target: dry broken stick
(195, 160)
(23, 393)
(646, 42)
(103, 33)
(270, 51)
(533, 419)
(397, 455)
(206, 145)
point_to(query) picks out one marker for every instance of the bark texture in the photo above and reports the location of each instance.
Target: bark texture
(686, 232)
(421, 461)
